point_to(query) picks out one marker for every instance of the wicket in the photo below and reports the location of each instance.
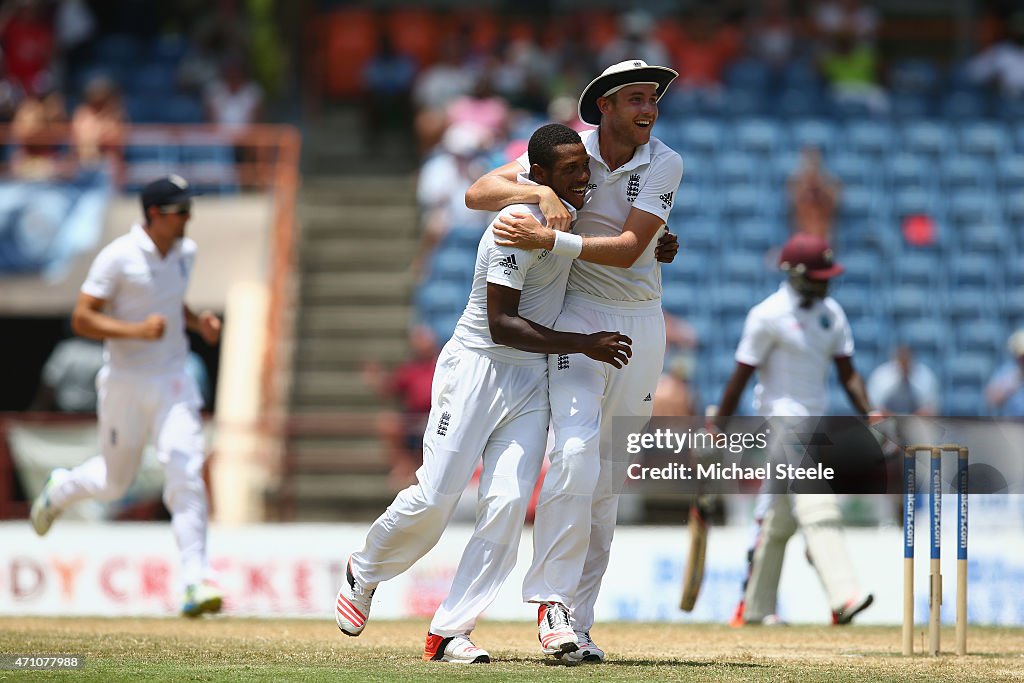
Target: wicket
(935, 522)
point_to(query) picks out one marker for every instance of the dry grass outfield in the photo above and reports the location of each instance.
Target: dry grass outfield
(227, 649)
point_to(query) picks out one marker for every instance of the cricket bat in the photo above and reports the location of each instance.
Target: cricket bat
(693, 575)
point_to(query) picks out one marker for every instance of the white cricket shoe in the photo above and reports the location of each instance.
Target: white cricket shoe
(553, 630)
(201, 599)
(43, 514)
(456, 649)
(352, 608)
(845, 614)
(588, 650)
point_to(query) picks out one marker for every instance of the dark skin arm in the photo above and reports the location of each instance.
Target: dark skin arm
(853, 384)
(509, 329)
(733, 391)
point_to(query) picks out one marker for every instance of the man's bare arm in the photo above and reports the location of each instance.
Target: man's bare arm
(508, 328)
(622, 250)
(498, 189)
(88, 320)
(853, 384)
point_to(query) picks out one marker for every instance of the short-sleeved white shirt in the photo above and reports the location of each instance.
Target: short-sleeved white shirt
(537, 273)
(135, 281)
(648, 182)
(793, 350)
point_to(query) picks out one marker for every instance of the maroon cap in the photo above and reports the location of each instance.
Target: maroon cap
(809, 255)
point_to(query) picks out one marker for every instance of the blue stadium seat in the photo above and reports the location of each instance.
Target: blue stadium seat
(991, 239)
(914, 201)
(962, 105)
(465, 237)
(731, 299)
(910, 106)
(442, 325)
(1013, 209)
(858, 204)
(169, 48)
(985, 336)
(917, 76)
(962, 401)
(677, 299)
(799, 103)
(759, 235)
(757, 136)
(967, 374)
(453, 265)
(972, 270)
(870, 336)
(1013, 274)
(747, 74)
(960, 172)
(744, 201)
(747, 268)
(741, 104)
(702, 233)
(909, 170)
(970, 209)
(863, 270)
(984, 138)
(738, 168)
(964, 306)
(782, 165)
(868, 138)
(181, 109)
(1010, 172)
(441, 298)
(701, 135)
(801, 74)
(152, 79)
(916, 269)
(910, 302)
(925, 336)
(820, 133)
(923, 137)
(854, 169)
(117, 48)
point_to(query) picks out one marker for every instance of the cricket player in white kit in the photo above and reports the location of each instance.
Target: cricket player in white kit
(614, 284)
(791, 339)
(134, 300)
(490, 401)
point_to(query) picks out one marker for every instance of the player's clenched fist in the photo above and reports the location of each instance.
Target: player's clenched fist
(209, 327)
(152, 327)
(609, 347)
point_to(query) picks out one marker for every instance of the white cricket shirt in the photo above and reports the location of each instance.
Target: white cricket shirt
(136, 281)
(793, 350)
(537, 273)
(648, 182)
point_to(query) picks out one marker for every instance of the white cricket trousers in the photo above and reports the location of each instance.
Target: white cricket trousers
(576, 511)
(480, 407)
(776, 518)
(131, 408)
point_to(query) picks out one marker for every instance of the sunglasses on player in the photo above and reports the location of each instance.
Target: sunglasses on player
(182, 209)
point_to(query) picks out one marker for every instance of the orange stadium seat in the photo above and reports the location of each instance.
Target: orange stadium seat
(350, 40)
(478, 26)
(416, 32)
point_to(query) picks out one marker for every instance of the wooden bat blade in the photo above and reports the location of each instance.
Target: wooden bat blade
(693, 576)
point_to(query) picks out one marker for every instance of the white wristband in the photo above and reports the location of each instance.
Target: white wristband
(567, 244)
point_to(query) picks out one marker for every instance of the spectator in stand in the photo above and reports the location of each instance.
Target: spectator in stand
(772, 35)
(1002, 64)
(833, 19)
(37, 120)
(444, 179)
(814, 195)
(28, 43)
(634, 41)
(97, 126)
(233, 101)
(902, 386)
(482, 108)
(387, 81)
(409, 384)
(1005, 391)
(437, 86)
(852, 70)
(705, 49)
